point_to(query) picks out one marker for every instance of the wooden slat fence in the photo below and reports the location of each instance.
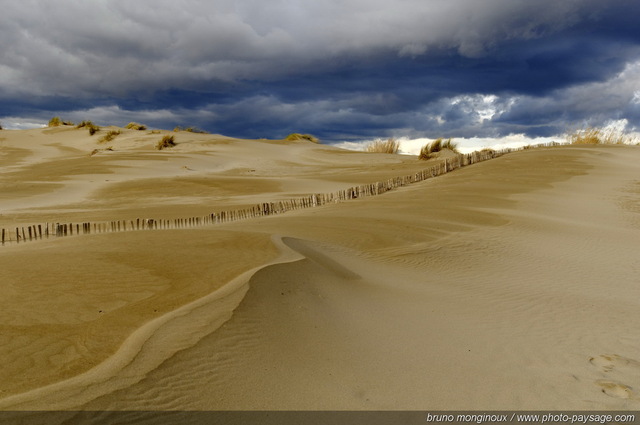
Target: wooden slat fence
(48, 230)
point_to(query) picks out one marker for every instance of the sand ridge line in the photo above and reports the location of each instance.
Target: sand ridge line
(148, 346)
(304, 249)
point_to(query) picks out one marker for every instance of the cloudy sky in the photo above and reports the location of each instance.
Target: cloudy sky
(344, 70)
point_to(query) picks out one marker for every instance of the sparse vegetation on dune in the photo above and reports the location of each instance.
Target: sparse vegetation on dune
(424, 153)
(298, 136)
(190, 130)
(595, 136)
(95, 151)
(390, 145)
(57, 122)
(167, 141)
(449, 144)
(135, 126)
(109, 136)
(93, 129)
(85, 123)
(430, 148)
(437, 145)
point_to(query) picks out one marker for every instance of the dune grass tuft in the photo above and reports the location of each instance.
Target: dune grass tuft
(57, 122)
(190, 130)
(168, 141)
(109, 136)
(437, 145)
(84, 123)
(96, 151)
(596, 136)
(93, 129)
(298, 136)
(135, 126)
(390, 145)
(429, 149)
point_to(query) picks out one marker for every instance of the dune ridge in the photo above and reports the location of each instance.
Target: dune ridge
(146, 348)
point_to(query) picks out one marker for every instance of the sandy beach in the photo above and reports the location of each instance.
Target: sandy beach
(507, 284)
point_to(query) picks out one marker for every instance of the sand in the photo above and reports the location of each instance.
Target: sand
(509, 284)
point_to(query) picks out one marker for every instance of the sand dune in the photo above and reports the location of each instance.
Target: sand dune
(509, 284)
(52, 171)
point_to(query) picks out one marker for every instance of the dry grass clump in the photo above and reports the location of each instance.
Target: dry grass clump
(425, 152)
(298, 136)
(390, 145)
(57, 122)
(95, 151)
(84, 123)
(167, 141)
(437, 145)
(135, 126)
(190, 130)
(93, 129)
(596, 136)
(109, 136)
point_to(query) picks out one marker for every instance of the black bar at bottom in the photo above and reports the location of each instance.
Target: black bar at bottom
(318, 417)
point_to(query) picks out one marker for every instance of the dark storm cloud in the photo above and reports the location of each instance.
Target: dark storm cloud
(343, 69)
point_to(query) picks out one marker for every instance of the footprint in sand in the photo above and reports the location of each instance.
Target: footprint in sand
(615, 366)
(609, 362)
(615, 389)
